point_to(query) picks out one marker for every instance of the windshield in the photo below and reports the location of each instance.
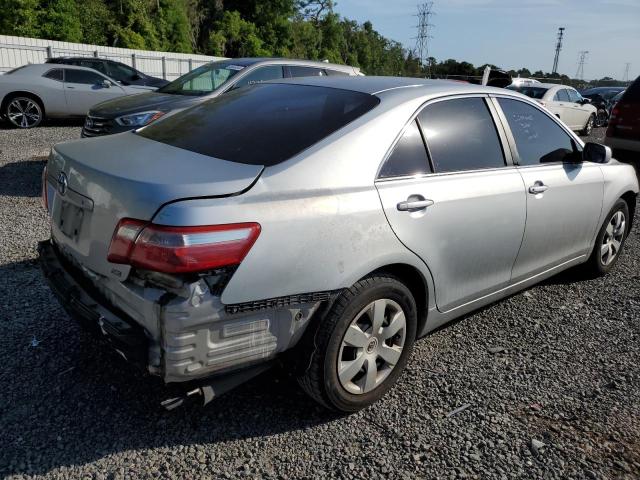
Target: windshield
(533, 92)
(202, 80)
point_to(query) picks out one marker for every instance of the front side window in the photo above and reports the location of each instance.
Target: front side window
(335, 73)
(263, 125)
(121, 72)
(99, 66)
(562, 95)
(538, 138)
(409, 156)
(574, 96)
(299, 71)
(82, 76)
(202, 80)
(461, 135)
(260, 75)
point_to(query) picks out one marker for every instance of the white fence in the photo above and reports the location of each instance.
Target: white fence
(18, 51)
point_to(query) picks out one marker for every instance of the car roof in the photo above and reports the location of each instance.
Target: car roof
(52, 60)
(247, 61)
(390, 86)
(45, 67)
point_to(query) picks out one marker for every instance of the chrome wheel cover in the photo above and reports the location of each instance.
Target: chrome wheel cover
(372, 346)
(613, 236)
(24, 112)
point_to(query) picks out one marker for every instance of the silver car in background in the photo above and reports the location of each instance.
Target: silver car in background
(31, 93)
(336, 219)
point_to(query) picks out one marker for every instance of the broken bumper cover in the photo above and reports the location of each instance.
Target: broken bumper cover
(181, 338)
(83, 303)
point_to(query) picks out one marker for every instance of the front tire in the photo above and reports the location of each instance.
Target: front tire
(610, 240)
(362, 345)
(588, 128)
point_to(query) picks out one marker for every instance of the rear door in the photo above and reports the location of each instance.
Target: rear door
(84, 88)
(564, 197)
(461, 208)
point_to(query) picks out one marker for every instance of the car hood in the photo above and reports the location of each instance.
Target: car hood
(142, 102)
(127, 176)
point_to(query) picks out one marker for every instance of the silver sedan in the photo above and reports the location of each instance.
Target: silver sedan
(336, 219)
(30, 93)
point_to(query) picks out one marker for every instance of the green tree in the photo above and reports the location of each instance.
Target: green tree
(234, 37)
(60, 20)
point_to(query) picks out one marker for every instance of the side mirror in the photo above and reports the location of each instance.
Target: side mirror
(105, 84)
(596, 153)
(585, 100)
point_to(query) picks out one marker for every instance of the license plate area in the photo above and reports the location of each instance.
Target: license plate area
(70, 212)
(70, 220)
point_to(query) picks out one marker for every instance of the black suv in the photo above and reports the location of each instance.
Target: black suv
(120, 72)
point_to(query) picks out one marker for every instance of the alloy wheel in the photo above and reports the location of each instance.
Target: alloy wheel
(613, 236)
(24, 112)
(372, 346)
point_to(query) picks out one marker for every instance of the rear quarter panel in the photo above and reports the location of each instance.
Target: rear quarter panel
(323, 226)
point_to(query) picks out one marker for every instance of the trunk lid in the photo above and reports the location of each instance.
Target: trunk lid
(92, 184)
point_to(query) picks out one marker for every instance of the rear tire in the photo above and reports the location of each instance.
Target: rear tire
(362, 345)
(23, 111)
(588, 128)
(610, 240)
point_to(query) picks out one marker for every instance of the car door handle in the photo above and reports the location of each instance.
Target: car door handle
(414, 205)
(537, 188)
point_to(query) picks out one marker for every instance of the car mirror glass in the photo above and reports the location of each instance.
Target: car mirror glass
(596, 153)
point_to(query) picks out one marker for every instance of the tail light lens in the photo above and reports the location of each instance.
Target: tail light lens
(181, 249)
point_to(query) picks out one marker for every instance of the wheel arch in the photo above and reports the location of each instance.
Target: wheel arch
(22, 93)
(416, 282)
(631, 198)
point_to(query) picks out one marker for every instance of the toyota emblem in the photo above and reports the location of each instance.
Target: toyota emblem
(62, 183)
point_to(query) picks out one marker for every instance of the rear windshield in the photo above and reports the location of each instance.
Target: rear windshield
(533, 92)
(263, 124)
(632, 94)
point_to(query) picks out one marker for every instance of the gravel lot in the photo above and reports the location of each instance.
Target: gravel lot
(560, 400)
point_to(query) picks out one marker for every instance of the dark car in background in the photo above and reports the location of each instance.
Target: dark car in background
(603, 99)
(623, 133)
(124, 74)
(199, 85)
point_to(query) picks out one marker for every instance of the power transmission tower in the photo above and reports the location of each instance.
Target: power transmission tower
(425, 12)
(625, 77)
(558, 48)
(580, 72)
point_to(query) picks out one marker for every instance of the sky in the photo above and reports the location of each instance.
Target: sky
(516, 33)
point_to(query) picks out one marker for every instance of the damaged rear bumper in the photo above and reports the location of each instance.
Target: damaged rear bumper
(181, 338)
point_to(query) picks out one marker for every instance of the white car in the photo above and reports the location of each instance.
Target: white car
(31, 93)
(519, 82)
(564, 102)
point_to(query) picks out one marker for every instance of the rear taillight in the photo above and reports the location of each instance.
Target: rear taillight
(44, 199)
(181, 249)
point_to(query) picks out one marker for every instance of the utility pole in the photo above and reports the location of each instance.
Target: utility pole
(425, 12)
(625, 77)
(580, 72)
(558, 48)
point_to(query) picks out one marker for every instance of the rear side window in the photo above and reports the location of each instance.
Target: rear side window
(82, 76)
(263, 125)
(632, 94)
(55, 74)
(298, 71)
(538, 138)
(409, 156)
(461, 135)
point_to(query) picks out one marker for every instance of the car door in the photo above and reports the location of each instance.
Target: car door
(52, 92)
(564, 195)
(580, 113)
(562, 108)
(460, 204)
(84, 88)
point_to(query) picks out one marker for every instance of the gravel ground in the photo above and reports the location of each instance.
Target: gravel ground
(550, 378)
